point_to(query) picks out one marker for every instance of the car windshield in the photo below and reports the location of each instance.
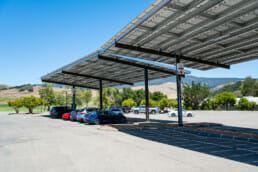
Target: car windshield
(61, 108)
(115, 110)
(91, 110)
(177, 110)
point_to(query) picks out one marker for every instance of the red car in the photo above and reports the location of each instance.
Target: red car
(66, 116)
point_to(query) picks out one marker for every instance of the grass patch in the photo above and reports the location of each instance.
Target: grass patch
(5, 99)
(6, 108)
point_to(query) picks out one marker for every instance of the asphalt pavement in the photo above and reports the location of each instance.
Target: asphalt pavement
(40, 143)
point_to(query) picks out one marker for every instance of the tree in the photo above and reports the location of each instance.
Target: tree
(163, 103)
(105, 99)
(79, 97)
(152, 103)
(31, 102)
(256, 89)
(157, 96)
(244, 104)
(87, 97)
(209, 104)
(129, 102)
(127, 93)
(46, 92)
(226, 99)
(193, 95)
(15, 104)
(172, 103)
(249, 87)
(138, 96)
(114, 96)
(252, 105)
(59, 98)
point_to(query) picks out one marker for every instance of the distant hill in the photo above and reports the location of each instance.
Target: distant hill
(233, 87)
(3, 86)
(211, 82)
(165, 85)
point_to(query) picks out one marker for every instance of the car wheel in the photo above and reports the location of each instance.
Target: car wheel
(136, 112)
(189, 115)
(173, 115)
(153, 112)
(96, 121)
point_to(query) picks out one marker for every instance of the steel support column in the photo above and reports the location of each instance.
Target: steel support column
(100, 95)
(146, 79)
(179, 98)
(74, 96)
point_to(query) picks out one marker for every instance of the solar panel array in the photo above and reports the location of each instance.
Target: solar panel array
(218, 31)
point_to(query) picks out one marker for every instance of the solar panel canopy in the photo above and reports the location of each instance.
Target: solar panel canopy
(205, 34)
(218, 31)
(87, 71)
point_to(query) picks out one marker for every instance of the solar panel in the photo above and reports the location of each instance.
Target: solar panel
(204, 34)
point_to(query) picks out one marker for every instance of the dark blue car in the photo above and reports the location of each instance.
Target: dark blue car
(104, 117)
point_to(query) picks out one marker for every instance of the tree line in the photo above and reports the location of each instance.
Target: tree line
(197, 96)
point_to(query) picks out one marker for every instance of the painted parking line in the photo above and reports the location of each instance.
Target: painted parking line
(221, 147)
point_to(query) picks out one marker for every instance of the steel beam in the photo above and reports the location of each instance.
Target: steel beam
(70, 84)
(135, 64)
(74, 96)
(96, 77)
(179, 97)
(146, 80)
(151, 51)
(100, 95)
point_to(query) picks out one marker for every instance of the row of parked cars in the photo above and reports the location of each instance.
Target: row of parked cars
(171, 111)
(90, 115)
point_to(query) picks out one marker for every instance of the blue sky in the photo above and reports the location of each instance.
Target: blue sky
(39, 36)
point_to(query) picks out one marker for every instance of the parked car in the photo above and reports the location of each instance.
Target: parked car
(102, 117)
(66, 115)
(116, 110)
(174, 113)
(58, 111)
(167, 109)
(142, 109)
(80, 114)
(73, 115)
(134, 108)
(125, 109)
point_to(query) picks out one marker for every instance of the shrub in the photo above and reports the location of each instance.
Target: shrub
(30, 89)
(129, 102)
(152, 103)
(244, 104)
(21, 89)
(163, 103)
(31, 102)
(226, 98)
(16, 104)
(172, 103)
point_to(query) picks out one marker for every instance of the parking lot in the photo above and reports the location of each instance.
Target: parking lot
(246, 119)
(40, 143)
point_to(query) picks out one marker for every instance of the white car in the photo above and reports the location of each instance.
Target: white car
(174, 113)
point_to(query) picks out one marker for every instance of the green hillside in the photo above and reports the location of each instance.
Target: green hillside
(234, 88)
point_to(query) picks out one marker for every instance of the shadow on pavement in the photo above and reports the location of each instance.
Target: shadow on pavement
(237, 150)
